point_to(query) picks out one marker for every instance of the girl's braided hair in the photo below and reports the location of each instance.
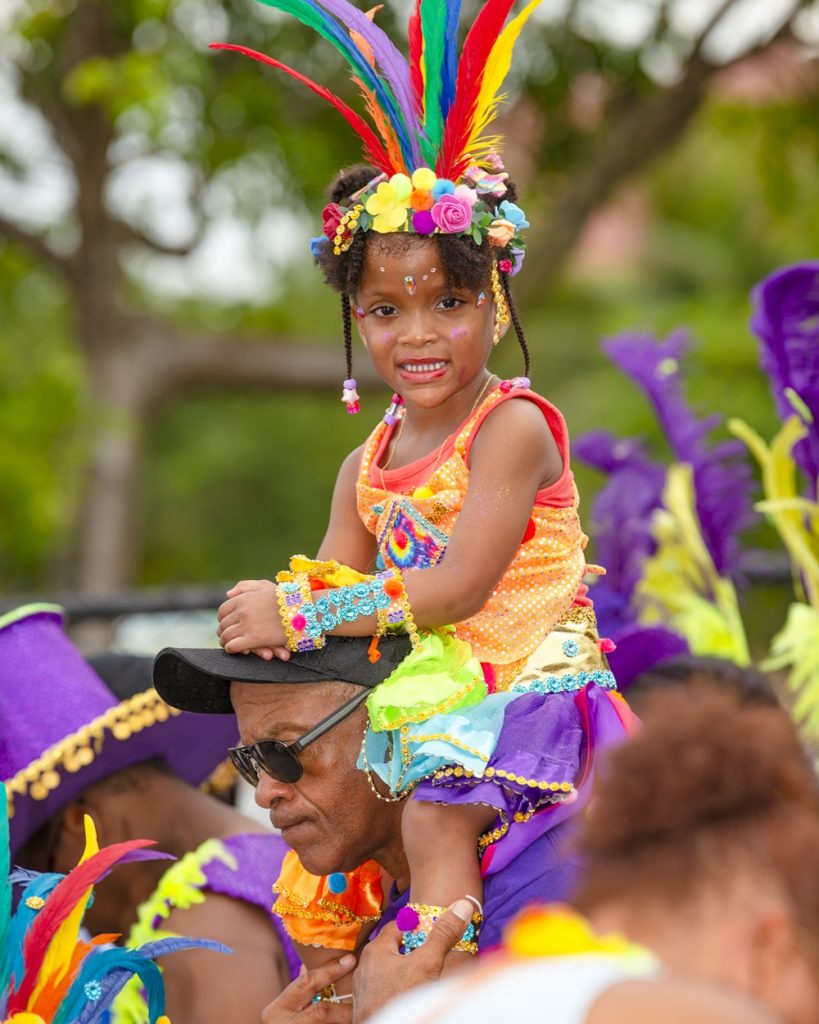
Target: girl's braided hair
(464, 264)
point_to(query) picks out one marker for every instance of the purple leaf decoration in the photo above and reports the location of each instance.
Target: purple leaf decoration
(786, 321)
(621, 515)
(722, 476)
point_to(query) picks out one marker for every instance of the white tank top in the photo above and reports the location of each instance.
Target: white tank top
(548, 990)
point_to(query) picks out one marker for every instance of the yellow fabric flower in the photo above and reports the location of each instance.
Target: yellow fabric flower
(386, 206)
(424, 179)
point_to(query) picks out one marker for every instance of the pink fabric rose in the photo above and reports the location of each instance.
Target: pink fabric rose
(452, 214)
(500, 233)
(331, 218)
(505, 266)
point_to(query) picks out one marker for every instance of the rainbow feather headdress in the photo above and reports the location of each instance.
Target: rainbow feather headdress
(48, 973)
(428, 120)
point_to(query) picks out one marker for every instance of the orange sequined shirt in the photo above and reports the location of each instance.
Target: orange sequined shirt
(413, 510)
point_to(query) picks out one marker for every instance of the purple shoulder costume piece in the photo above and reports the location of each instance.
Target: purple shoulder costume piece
(258, 863)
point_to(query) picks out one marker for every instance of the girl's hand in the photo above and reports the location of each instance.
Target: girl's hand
(250, 621)
(295, 1005)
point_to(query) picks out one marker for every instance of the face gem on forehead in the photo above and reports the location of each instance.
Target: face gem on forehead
(425, 277)
(410, 285)
(432, 270)
(381, 269)
(481, 299)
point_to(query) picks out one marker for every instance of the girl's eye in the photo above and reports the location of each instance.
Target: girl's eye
(384, 311)
(450, 302)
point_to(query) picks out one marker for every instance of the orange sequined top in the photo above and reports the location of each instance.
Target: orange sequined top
(413, 510)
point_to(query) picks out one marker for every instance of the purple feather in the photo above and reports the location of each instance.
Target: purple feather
(621, 514)
(722, 476)
(786, 321)
(393, 65)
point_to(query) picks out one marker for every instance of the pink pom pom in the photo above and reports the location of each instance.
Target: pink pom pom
(505, 266)
(607, 646)
(506, 386)
(407, 919)
(298, 623)
(353, 408)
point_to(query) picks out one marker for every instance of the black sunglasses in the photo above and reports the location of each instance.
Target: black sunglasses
(281, 760)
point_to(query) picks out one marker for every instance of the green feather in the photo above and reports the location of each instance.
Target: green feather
(433, 31)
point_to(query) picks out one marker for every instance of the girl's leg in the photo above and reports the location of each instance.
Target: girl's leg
(441, 844)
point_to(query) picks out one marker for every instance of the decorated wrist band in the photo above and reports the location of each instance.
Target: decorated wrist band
(416, 920)
(296, 609)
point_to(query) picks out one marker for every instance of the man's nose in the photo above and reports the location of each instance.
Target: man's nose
(269, 790)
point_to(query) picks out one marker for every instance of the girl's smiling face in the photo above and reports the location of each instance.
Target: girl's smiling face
(427, 340)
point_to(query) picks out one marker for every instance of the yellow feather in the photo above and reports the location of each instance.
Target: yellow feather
(496, 70)
(58, 956)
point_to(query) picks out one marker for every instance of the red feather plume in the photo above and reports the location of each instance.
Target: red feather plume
(477, 47)
(372, 145)
(60, 903)
(416, 46)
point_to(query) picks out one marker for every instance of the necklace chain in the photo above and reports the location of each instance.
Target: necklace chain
(488, 383)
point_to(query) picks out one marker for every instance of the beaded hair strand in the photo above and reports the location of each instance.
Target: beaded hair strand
(513, 313)
(347, 326)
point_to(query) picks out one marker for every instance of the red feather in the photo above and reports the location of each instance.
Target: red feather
(59, 905)
(372, 145)
(416, 46)
(477, 47)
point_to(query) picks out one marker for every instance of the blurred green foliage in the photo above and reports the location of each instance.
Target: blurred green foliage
(232, 484)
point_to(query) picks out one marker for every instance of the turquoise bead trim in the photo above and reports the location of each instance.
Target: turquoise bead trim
(568, 682)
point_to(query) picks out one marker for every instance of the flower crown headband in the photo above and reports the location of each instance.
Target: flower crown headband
(428, 121)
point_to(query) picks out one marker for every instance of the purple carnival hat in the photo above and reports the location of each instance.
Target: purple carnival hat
(62, 729)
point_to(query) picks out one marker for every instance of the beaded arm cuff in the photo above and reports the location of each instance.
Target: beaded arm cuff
(307, 615)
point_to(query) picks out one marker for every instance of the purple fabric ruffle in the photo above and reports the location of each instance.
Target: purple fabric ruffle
(545, 738)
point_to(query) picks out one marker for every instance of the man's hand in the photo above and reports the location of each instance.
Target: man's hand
(250, 621)
(384, 973)
(295, 1005)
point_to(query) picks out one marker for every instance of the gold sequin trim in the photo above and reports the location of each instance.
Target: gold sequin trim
(580, 613)
(290, 904)
(80, 749)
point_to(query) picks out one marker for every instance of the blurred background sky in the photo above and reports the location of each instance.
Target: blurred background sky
(170, 362)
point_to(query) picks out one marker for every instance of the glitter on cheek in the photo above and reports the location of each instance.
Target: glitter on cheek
(387, 337)
(360, 312)
(481, 299)
(457, 332)
(409, 284)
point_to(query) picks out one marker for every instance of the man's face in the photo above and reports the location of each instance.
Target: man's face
(330, 817)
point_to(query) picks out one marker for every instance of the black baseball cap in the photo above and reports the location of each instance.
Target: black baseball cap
(198, 679)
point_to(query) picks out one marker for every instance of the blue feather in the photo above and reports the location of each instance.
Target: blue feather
(112, 968)
(449, 71)
(40, 886)
(5, 899)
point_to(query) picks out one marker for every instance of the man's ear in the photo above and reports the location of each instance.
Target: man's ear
(771, 945)
(70, 840)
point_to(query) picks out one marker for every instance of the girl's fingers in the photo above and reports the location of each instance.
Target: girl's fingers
(282, 653)
(299, 993)
(243, 586)
(239, 643)
(264, 652)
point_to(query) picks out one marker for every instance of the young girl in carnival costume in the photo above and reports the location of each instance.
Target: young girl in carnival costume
(457, 520)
